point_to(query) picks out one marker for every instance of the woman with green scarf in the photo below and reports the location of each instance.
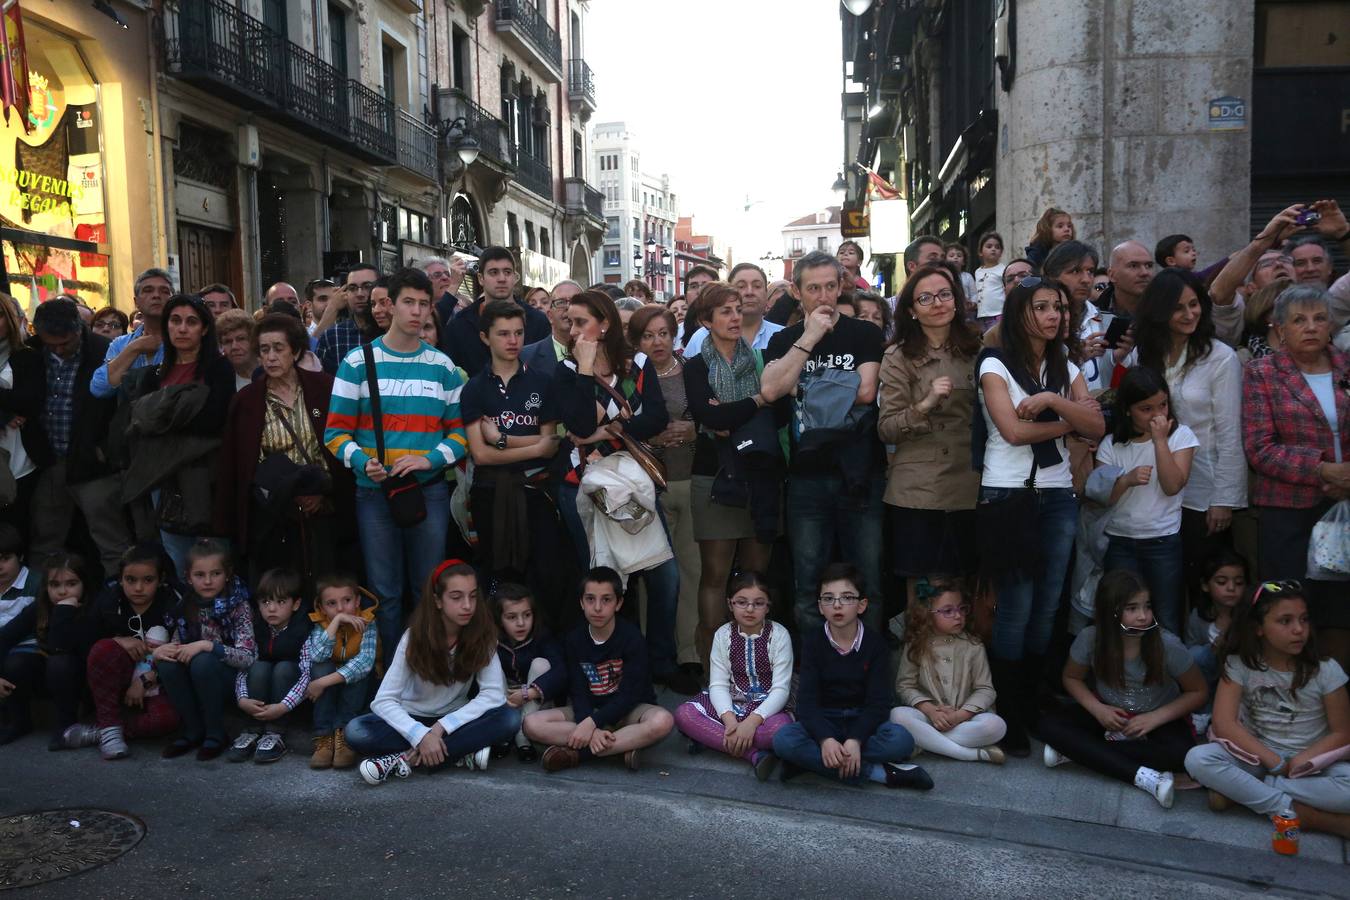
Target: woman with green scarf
(722, 385)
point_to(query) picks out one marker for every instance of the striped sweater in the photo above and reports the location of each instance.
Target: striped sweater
(419, 400)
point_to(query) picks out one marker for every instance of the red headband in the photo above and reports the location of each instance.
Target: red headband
(445, 564)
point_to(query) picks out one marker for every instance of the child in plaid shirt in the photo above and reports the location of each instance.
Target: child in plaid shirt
(275, 684)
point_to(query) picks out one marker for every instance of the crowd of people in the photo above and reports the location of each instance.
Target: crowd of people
(1098, 502)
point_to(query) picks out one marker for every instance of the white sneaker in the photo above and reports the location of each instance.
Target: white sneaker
(477, 760)
(1053, 757)
(112, 744)
(1159, 784)
(377, 770)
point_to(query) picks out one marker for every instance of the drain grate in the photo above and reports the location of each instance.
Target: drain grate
(44, 846)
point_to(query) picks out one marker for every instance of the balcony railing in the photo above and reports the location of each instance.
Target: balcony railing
(534, 173)
(494, 140)
(580, 198)
(581, 82)
(521, 22)
(218, 46)
(416, 145)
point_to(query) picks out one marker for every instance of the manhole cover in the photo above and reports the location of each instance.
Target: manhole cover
(45, 846)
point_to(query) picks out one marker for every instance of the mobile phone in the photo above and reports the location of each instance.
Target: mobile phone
(1116, 330)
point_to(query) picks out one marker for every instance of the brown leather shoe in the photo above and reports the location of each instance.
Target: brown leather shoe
(323, 752)
(555, 759)
(630, 760)
(343, 755)
(1218, 802)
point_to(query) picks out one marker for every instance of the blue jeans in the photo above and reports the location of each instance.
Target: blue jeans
(177, 546)
(889, 743)
(1159, 562)
(339, 704)
(271, 681)
(1025, 615)
(370, 735)
(663, 586)
(397, 559)
(819, 514)
(198, 691)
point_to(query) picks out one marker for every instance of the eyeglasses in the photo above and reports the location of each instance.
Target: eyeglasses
(1101, 286)
(946, 295)
(1031, 282)
(843, 600)
(1275, 260)
(951, 612)
(1276, 588)
(1012, 277)
(749, 604)
(136, 625)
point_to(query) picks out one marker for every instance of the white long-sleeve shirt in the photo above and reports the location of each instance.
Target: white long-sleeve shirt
(403, 695)
(1207, 398)
(720, 686)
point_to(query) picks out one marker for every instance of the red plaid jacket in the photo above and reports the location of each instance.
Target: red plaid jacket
(1286, 434)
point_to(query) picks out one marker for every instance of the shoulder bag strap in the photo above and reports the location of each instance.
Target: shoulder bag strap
(625, 408)
(1031, 478)
(372, 379)
(282, 416)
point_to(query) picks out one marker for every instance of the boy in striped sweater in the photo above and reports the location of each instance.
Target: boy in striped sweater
(419, 390)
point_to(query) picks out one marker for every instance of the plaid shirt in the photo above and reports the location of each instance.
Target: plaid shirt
(59, 415)
(297, 692)
(337, 342)
(1286, 433)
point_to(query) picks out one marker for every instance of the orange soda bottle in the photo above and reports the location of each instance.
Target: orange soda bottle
(1285, 839)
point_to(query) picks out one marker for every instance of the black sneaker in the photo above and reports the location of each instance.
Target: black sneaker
(907, 775)
(242, 748)
(526, 753)
(502, 750)
(270, 748)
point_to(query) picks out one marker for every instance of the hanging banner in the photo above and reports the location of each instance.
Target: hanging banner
(14, 88)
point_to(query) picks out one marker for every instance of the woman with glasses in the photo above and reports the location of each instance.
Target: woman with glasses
(1296, 431)
(927, 398)
(1032, 396)
(749, 682)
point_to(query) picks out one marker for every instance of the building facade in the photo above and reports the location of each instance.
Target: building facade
(820, 230)
(694, 249)
(1139, 119)
(641, 212)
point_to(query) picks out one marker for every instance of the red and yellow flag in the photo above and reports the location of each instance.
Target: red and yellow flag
(13, 64)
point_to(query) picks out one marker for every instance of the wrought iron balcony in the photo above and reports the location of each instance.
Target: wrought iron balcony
(416, 145)
(213, 44)
(494, 140)
(524, 27)
(582, 199)
(581, 85)
(534, 173)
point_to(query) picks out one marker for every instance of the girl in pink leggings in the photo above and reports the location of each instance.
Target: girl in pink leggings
(750, 677)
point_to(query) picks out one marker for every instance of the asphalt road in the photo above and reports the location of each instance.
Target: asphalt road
(282, 831)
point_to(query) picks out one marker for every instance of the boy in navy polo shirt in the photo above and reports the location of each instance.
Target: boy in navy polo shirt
(510, 416)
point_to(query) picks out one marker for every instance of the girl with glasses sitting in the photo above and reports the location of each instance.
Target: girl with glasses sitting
(750, 678)
(946, 691)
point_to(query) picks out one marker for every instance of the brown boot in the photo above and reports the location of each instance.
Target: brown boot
(323, 752)
(1312, 819)
(1218, 802)
(343, 756)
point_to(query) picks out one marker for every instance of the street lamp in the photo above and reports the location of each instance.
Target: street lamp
(456, 134)
(658, 261)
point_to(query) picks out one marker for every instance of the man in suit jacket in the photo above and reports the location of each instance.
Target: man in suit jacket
(546, 354)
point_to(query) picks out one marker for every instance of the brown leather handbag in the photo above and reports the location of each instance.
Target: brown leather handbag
(640, 450)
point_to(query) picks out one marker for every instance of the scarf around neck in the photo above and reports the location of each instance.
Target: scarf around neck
(734, 380)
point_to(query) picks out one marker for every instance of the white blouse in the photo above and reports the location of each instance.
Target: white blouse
(720, 686)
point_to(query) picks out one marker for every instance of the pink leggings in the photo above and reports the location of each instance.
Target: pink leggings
(694, 723)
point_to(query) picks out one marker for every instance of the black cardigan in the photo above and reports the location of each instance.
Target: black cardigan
(87, 456)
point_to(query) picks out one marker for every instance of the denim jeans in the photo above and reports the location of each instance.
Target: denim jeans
(198, 691)
(370, 735)
(1159, 562)
(663, 586)
(1025, 615)
(397, 559)
(889, 743)
(819, 515)
(271, 681)
(340, 704)
(177, 546)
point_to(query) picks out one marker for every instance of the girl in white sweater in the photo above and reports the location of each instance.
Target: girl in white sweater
(422, 714)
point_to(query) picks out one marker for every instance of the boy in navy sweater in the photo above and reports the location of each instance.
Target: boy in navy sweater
(843, 728)
(613, 707)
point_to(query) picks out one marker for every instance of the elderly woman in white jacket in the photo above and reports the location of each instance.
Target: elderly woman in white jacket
(1174, 335)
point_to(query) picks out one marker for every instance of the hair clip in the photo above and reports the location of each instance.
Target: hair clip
(924, 590)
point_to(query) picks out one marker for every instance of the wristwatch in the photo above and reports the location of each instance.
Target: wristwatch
(501, 442)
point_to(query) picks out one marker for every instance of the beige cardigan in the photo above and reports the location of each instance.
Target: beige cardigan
(955, 674)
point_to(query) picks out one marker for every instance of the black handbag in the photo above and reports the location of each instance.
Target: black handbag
(279, 479)
(407, 503)
(1007, 532)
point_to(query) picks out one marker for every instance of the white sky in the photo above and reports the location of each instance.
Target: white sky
(767, 74)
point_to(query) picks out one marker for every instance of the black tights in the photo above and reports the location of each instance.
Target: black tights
(62, 675)
(1073, 732)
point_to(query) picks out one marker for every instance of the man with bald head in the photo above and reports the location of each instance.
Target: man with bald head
(1130, 271)
(281, 291)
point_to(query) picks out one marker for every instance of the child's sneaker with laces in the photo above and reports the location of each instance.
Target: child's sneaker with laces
(112, 744)
(1053, 757)
(1158, 784)
(270, 748)
(377, 769)
(242, 748)
(477, 761)
(79, 735)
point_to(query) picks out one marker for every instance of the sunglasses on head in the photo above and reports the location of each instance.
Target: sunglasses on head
(1276, 589)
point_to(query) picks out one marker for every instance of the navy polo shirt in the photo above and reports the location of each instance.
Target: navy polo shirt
(517, 408)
